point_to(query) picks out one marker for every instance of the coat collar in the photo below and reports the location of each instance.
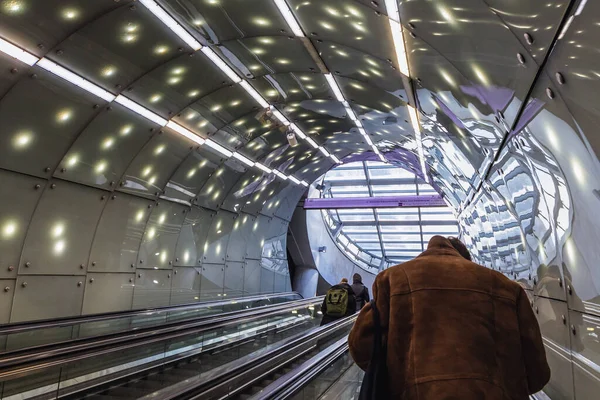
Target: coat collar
(440, 246)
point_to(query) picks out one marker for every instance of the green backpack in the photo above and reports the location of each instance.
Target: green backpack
(336, 301)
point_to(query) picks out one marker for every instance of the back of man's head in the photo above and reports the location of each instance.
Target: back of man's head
(356, 278)
(344, 280)
(460, 247)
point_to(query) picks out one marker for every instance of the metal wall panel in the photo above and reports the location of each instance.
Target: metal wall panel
(218, 237)
(234, 279)
(157, 249)
(213, 276)
(119, 234)
(252, 277)
(20, 195)
(152, 288)
(98, 285)
(61, 231)
(267, 280)
(185, 286)
(192, 238)
(7, 289)
(586, 354)
(46, 296)
(237, 247)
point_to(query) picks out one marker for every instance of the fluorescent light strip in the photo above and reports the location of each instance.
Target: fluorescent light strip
(222, 65)
(289, 17)
(566, 28)
(263, 168)
(382, 158)
(335, 159)
(325, 152)
(392, 9)
(280, 175)
(293, 179)
(144, 112)
(185, 132)
(17, 52)
(75, 79)
(334, 87)
(375, 150)
(170, 22)
(298, 131)
(279, 116)
(368, 139)
(581, 7)
(312, 143)
(304, 183)
(398, 38)
(216, 146)
(255, 95)
(243, 159)
(362, 131)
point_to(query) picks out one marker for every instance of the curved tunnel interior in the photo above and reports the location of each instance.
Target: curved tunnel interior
(154, 152)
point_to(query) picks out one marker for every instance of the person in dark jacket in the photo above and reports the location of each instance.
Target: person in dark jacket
(360, 292)
(350, 304)
(452, 329)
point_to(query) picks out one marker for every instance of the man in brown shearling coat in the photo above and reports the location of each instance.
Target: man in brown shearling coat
(453, 329)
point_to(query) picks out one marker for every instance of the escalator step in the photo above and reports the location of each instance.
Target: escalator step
(124, 391)
(146, 384)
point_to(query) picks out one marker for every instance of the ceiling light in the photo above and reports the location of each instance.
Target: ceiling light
(135, 107)
(350, 111)
(170, 22)
(18, 53)
(289, 17)
(263, 168)
(325, 152)
(293, 179)
(334, 87)
(243, 159)
(298, 131)
(382, 158)
(185, 132)
(312, 142)
(368, 139)
(279, 116)
(398, 38)
(280, 175)
(75, 79)
(218, 148)
(335, 159)
(414, 119)
(222, 65)
(255, 95)
(304, 183)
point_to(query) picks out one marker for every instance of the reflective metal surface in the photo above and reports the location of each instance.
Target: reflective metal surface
(506, 117)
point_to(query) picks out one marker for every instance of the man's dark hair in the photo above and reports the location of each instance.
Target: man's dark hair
(460, 247)
(356, 278)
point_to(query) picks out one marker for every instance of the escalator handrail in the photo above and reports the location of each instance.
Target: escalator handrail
(20, 327)
(219, 375)
(24, 361)
(290, 383)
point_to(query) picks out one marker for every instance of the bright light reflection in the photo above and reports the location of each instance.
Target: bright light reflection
(9, 229)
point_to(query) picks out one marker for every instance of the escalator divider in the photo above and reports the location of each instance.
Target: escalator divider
(234, 377)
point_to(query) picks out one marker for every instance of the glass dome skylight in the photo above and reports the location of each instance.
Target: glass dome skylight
(377, 238)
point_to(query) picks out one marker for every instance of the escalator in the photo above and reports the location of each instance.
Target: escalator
(270, 350)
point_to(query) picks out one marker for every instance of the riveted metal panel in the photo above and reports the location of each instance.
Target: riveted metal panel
(275, 239)
(61, 232)
(252, 277)
(35, 137)
(49, 296)
(157, 249)
(215, 248)
(245, 188)
(289, 202)
(256, 241)
(261, 190)
(267, 280)
(17, 71)
(185, 286)
(281, 281)
(226, 105)
(240, 235)
(137, 43)
(152, 288)
(213, 276)
(7, 291)
(105, 148)
(106, 292)
(151, 169)
(234, 279)
(192, 238)
(119, 234)
(192, 174)
(20, 194)
(218, 186)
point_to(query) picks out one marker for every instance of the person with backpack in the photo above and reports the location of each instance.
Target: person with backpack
(339, 302)
(360, 292)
